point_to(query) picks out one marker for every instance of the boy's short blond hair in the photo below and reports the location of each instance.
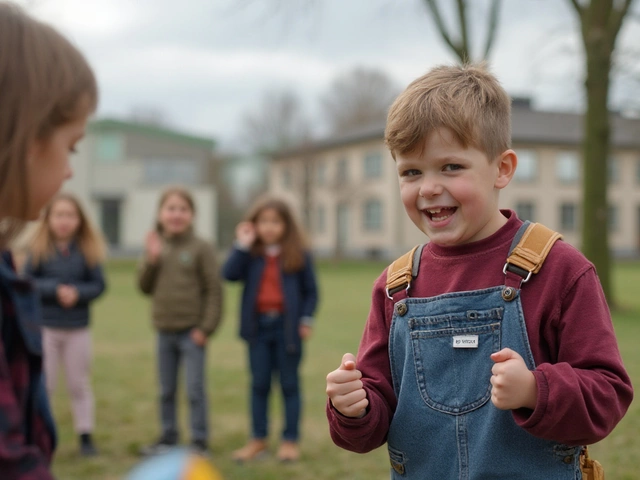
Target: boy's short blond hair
(466, 99)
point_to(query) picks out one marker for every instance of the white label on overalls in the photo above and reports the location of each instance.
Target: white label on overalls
(465, 341)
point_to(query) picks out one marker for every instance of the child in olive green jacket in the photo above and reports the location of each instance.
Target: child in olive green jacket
(180, 272)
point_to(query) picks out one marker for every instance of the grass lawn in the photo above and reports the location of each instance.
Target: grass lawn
(126, 391)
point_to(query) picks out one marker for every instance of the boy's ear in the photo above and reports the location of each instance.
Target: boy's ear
(506, 165)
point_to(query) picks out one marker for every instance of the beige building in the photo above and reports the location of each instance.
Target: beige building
(346, 190)
(122, 167)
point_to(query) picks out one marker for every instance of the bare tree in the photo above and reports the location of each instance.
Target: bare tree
(461, 45)
(278, 123)
(600, 22)
(358, 98)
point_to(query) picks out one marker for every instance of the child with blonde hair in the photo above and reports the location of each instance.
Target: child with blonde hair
(66, 257)
(47, 92)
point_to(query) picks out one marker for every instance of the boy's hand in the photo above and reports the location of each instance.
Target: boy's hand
(246, 234)
(345, 389)
(514, 385)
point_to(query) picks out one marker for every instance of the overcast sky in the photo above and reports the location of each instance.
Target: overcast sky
(204, 63)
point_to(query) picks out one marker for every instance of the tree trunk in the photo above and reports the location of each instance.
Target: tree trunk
(595, 214)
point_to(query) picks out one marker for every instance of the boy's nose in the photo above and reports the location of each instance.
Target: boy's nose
(430, 187)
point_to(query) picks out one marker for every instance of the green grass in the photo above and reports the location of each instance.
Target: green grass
(125, 387)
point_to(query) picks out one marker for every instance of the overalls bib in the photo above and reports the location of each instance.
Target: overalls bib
(445, 426)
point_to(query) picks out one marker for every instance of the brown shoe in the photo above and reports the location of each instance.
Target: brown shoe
(288, 452)
(253, 450)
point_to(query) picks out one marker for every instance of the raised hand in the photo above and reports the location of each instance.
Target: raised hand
(345, 389)
(514, 385)
(153, 246)
(246, 234)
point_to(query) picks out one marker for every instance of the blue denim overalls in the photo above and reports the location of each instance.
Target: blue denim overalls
(445, 425)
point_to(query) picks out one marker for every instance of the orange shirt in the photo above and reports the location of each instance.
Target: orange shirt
(270, 296)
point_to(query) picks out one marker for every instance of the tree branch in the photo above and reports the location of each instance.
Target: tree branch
(433, 6)
(616, 18)
(579, 8)
(492, 27)
(464, 31)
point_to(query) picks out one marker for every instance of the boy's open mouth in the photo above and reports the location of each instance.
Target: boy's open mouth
(439, 214)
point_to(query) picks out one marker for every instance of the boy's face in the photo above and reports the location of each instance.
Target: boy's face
(451, 192)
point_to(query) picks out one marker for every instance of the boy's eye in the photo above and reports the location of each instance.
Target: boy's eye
(73, 149)
(452, 167)
(411, 172)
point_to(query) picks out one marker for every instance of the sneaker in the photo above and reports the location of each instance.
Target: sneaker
(288, 451)
(163, 445)
(200, 447)
(256, 448)
(87, 448)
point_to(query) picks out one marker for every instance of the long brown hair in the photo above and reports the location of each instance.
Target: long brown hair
(293, 241)
(45, 82)
(89, 239)
(180, 192)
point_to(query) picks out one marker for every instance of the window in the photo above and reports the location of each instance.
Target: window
(638, 171)
(373, 165)
(526, 211)
(612, 215)
(567, 167)
(342, 172)
(613, 170)
(164, 171)
(527, 170)
(569, 217)
(321, 174)
(372, 215)
(321, 220)
(110, 148)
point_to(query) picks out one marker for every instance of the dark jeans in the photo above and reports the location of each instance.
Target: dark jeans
(268, 355)
(173, 349)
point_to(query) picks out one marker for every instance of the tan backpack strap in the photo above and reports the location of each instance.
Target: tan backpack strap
(531, 251)
(402, 270)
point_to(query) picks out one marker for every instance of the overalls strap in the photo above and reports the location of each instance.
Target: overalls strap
(403, 270)
(529, 249)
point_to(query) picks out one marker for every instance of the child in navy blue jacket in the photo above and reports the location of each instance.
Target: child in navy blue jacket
(278, 302)
(65, 261)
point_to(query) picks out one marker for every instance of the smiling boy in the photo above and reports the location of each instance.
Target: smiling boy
(474, 371)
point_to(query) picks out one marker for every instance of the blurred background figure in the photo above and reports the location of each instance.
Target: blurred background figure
(65, 260)
(271, 259)
(180, 272)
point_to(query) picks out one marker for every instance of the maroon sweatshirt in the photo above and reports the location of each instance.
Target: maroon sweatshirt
(583, 388)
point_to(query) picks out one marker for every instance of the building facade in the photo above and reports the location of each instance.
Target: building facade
(122, 167)
(345, 189)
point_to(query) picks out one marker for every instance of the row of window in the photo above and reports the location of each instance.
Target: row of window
(372, 168)
(568, 167)
(371, 217)
(569, 220)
